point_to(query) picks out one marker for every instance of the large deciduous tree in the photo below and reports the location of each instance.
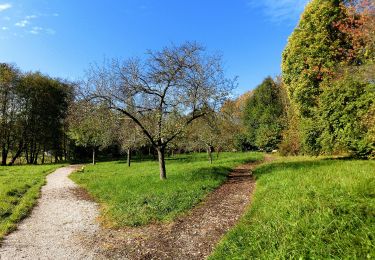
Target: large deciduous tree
(9, 108)
(44, 108)
(205, 133)
(164, 93)
(314, 50)
(333, 39)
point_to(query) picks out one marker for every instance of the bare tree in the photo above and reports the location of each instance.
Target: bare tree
(205, 133)
(164, 93)
(129, 136)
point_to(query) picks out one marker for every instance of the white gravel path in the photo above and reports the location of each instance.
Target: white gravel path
(59, 227)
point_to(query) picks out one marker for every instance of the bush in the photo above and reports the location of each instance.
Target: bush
(291, 136)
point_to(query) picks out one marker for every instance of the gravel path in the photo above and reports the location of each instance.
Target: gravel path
(58, 226)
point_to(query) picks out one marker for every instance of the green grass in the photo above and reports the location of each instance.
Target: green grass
(135, 196)
(306, 208)
(19, 189)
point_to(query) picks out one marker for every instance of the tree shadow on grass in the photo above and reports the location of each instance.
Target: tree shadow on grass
(188, 159)
(204, 173)
(344, 158)
(222, 170)
(179, 159)
(135, 161)
(278, 166)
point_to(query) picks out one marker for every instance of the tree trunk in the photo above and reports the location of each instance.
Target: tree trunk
(209, 152)
(37, 149)
(44, 151)
(36, 158)
(18, 153)
(56, 157)
(129, 156)
(65, 145)
(31, 152)
(4, 128)
(161, 153)
(93, 156)
(27, 154)
(4, 154)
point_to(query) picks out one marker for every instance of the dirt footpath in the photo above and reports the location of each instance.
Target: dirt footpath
(189, 237)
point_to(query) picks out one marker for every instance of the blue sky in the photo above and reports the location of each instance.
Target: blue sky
(62, 37)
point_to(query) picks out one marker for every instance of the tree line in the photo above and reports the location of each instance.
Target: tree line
(176, 100)
(33, 109)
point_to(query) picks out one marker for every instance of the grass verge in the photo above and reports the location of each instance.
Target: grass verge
(135, 196)
(19, 190)
(306, 208)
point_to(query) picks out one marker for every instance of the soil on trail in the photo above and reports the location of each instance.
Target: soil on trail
(192, 236)
(58, 226)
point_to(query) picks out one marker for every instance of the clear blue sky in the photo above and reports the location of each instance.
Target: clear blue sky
(62, 37)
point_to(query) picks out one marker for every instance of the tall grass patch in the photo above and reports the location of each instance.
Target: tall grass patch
(307, 209)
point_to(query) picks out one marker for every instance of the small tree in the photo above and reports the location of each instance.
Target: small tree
(165, 93)
(91, 126)
(205, 133)
(264, 115)
(231, 123)
(129, 136)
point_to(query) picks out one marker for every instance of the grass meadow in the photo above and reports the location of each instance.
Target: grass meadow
(134, 196)
(306, 208)
(302, 208)
(19, 190)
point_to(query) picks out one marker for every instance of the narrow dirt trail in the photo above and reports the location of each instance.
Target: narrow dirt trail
(192, 236)
(57, 227)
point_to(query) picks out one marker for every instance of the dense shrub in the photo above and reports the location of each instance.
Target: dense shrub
(345, 106)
